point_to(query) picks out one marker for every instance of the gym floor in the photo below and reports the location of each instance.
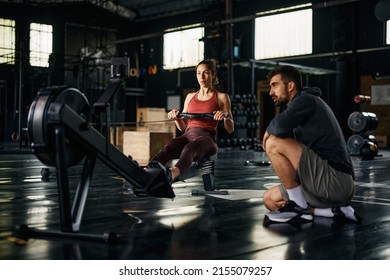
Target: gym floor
(211, 227)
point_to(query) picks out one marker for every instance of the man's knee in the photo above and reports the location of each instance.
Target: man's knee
(288, 147)
(267, 201)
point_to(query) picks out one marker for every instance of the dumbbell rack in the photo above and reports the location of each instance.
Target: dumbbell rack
(246, 123)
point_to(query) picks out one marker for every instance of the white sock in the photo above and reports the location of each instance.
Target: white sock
(296, 195)
(323, 212)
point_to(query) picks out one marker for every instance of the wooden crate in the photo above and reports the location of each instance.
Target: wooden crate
(118, 139)
(383, 141)
(143, 145)
(171, 127)
(154, 120)
(381, 111)
(150, 115)
(162, 127)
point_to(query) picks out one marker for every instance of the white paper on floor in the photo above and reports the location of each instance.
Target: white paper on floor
(239, 194)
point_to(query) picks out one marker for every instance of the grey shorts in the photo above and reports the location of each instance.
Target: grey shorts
(322, 185)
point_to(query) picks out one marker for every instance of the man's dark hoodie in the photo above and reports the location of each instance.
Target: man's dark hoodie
(311, 121)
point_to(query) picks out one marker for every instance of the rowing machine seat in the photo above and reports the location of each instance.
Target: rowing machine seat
(204, 167)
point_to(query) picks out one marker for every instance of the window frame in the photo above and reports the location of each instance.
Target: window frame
(7, 45)
(170, 55)
(40, 56)
(290, 46)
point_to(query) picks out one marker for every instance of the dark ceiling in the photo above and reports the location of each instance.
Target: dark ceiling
(146, 9)
(143, 10)
(132, 10)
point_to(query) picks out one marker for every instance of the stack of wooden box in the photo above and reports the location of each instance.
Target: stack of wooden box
(116, 135)
(154, 120)
(154, 130)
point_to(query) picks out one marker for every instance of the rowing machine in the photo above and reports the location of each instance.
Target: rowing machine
(61, 136)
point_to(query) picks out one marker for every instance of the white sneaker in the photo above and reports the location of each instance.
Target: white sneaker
(289, 213)
(344, 213)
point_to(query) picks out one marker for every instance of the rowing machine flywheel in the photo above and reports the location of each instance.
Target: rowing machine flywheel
(41, 132)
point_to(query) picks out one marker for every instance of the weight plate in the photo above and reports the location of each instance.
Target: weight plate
(354, 144)
(362, 121)
(372, 121)
(357, 122)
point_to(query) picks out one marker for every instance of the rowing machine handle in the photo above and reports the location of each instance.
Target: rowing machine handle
(196, 115)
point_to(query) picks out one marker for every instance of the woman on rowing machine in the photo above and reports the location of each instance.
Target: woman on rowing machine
(198, 139)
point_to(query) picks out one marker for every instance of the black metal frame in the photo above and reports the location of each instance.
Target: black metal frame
(204, 168)
(65, 121)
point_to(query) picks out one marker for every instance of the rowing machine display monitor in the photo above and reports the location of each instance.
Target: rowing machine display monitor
(120, 67)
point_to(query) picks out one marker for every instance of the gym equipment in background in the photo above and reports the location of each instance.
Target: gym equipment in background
(362, 143)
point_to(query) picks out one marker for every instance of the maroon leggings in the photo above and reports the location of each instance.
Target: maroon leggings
(195, 144)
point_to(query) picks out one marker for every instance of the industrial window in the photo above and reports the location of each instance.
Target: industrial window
(388, 32)
(7, 41)
(41, 44)
(284, 34)
(183, 48)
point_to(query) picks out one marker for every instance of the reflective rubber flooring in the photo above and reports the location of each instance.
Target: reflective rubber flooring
(215, 227)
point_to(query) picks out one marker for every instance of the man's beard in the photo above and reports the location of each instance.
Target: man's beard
(282, 102)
